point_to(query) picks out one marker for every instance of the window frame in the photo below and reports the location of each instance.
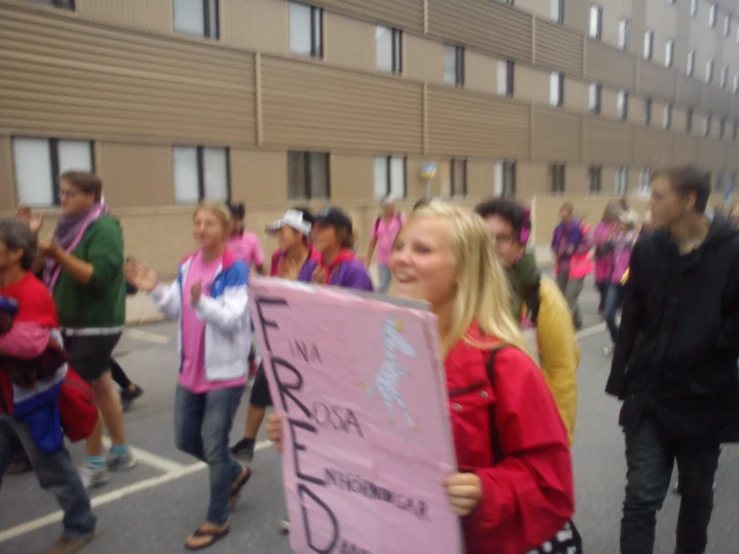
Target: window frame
(559, 6)
(200, 156)
(595, 95)
(316, 47)
(707, 124)
(648, 50)
(307, 179)
(510, 68)
(388, 158)
(69, 5)
(667, 117)
(722, 128)
(396, 50)
(709, 70)
(622, 170)
(647, 120)
(623, 111)
(459, 69)
(624, 33)
(690, 66)
(735, 131)
(713, 15)
(208, 18)
(689, 115)
(693, 8)
(595, 175)
(452, 181)
(560, 89)
(596, 10)
(54, 163)
(558, 172)
(670, 53)
(724, 77)
(508, 169)
(727, 24)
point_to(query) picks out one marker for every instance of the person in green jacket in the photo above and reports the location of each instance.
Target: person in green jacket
(83, 268)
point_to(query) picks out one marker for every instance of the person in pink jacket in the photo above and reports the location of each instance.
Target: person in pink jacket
(602, 240)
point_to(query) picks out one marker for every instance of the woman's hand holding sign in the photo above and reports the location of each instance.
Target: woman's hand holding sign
(463, 489)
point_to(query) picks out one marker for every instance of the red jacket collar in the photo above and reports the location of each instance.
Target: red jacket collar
(345, 255)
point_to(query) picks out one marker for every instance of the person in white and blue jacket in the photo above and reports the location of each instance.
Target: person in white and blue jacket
(209, 299)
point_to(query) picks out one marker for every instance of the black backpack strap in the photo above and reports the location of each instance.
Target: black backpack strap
(494, 438)
(377, 224)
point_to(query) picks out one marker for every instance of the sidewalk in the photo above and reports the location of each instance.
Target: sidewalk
(140, 309)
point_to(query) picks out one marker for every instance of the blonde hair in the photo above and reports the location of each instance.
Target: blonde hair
(220, 210)
(484, 292)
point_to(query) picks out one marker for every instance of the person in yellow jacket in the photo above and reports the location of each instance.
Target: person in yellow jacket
(538, 301)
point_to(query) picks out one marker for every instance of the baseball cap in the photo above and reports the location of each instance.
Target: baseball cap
(629, 217)
(8, 305)
(336, 218)
(295, 219)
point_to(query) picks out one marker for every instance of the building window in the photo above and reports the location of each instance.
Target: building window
(707, 125)
(390, 176)
(709, 70)
(689, 121)
(735, 88)
(306, 30)
(454, 65)
(557, 89)
(693, 7)
(647, 111)
(459, 178)
(63, 4)
(196, 17)
(557, 11)
(624, 33)
(735, 133)
(557, 173)
(595, 97)
(200, 173)
(505, 179)
(671, 2)
(718, 184)
(622, 103)
(668, 116)
(712, 15)
(690, 68)
(727, 24)
(621, 185)
(722, 128)
(38, 162)
(648, 44)
(596, 21)
(669, 52)
(389, 49)
(506, 70)
(308, 175)
(724, 79)
(595, 179)
(645, 182)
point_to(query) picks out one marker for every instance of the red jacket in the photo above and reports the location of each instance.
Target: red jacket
(528, 497)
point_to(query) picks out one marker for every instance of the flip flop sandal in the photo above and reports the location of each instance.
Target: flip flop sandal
(236, 489)
(215, 536)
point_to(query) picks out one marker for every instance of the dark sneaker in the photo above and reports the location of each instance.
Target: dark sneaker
(243, 450)
(127, 397)
(20, 464)
(68, 545)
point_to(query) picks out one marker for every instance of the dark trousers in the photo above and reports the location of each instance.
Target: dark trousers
(602, 287)
(613, 300)
(650, 462)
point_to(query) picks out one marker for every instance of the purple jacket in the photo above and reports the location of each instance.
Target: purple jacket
(564, 236)
(350, 274)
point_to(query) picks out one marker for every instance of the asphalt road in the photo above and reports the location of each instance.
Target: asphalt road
(152, 508)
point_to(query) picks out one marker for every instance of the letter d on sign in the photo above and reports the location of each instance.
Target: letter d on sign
(305, 491)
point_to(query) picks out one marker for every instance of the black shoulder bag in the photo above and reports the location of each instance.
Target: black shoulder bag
(568, 540)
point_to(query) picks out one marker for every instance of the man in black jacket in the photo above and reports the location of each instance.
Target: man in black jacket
(675, 362)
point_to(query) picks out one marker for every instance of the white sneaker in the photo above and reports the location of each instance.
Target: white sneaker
(123, 462)
(94, 476)
(285, 526)
(608, 351)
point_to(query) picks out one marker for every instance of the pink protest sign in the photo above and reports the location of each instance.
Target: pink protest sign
(367, 438)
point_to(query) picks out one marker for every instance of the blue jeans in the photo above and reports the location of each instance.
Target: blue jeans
(613, 300)
(383, 272)
(650, 462)
(202, 423)
(55, 473)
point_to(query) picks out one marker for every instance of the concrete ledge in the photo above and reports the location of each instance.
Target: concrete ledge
(141, 310)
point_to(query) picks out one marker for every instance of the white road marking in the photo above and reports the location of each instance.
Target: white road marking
(164, 465)
(590, 331)
(116, 495)
(148, 337)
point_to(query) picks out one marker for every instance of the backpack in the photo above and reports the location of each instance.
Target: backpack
(77, 408)
(567, 541)
(396, 215)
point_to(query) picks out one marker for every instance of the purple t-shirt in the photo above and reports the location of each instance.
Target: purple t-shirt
(350, 274)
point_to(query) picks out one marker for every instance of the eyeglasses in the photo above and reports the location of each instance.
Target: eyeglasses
(68, 193)
(502, 239)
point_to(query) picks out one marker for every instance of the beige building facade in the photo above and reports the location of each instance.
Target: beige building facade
(279, 103)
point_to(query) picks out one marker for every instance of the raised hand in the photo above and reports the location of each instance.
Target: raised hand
(141, 276)
(34, 221)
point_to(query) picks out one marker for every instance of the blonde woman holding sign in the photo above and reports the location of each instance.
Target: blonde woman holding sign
(514, 486)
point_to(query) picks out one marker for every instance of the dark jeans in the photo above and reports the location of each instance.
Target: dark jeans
(119, 376)
(602, 291)
(571, 288)
(613, 300)
(202, 425)
(55, 473)
(650, 462)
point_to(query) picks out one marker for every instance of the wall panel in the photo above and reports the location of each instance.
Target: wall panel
(653, 80)
(714, 99)
(254, 24)
(609, 66)
(652, 148)
(556, 47)
(711, 154)
(684, 149)
(7, 189)
(308, 105)
(688, 91)
(475, 125)
(491, 27)
(555, 136)
(405, 14)
(142, 14)
(67, 77)
(135, 174)
(606, 141)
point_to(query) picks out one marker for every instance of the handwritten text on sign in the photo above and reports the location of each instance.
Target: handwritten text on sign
(366, 431)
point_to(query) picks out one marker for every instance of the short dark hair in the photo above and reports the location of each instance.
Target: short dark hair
(686, 180)
(16, 235)
(420, 203)
(238, 211)
(568, 207)
(510, 210)
(87, 182)
(308, 217)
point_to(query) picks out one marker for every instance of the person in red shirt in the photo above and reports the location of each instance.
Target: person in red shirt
(513, 489)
